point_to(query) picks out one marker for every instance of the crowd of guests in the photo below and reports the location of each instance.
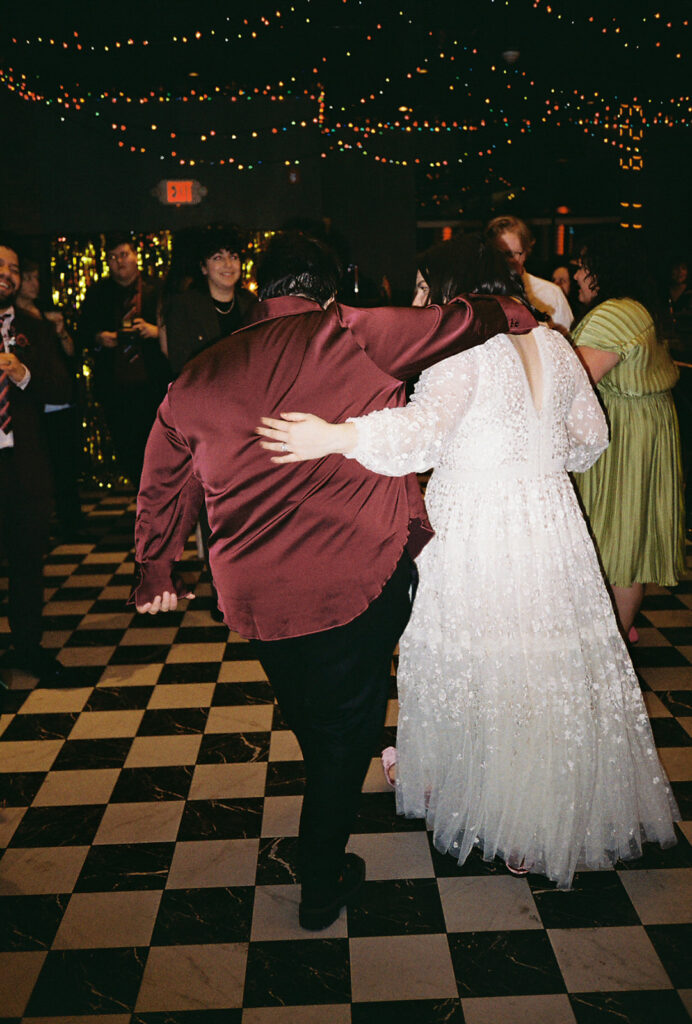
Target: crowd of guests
(139, 337)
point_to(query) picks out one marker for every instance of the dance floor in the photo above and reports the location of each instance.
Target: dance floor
(147, 841)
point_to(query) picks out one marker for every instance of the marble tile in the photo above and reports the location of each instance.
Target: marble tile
(253, 718)
(686, 724)
(58, 826)
(40, 727)
(275, 916)
(148, 784)
(305, 1014)
(311, 971)
(86, 655)
(49, 701)
(97, 753)
(119, 698)
(407, 1011)
(241, 671)
(40, 870)
(77, 787)
(221, 819)
(67, 607)
(194, 977)
(155, 636)
(375, 781)
(677, 762)
(257, 692)
(104, 724)
(23, 969)
(277, 861)
(607, 959)
(126, 866)
(77, 981)
(211, 914)
(30, 922)
(162, 750)
(554, 1009)
(422, 962)
(285, 778)
(377, 813)
(390, 855)
(596, 898)
(9, 820)
(18, 789)
(504, 963)
(214, 781)
(173, 722)
(677, 678)
(223, 862)
(154, 822)
(108, 920)
(231, 748)
(182, 695)
(195, 652)
(189, 672)
(284, 746)
(406, 906)
(282, 816)
(660, 897)
(629, 1007)
(655, 706)
(130, 675)
(477, 904)
(672, 943)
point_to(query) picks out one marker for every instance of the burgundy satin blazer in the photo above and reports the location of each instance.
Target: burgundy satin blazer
(299, 548)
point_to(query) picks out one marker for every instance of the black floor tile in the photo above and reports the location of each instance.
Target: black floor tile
(30, 922)
(146, 654)
(40, 727)
(58, 826)
(673, 943)
(669, 733)
(188, 1017)
(18, 789)
(644, 1007)
(103, 753)
(662, 603)
(683, 794)
(407, 906)
(190, 672)
(297, 973)
(680, 636)
(125, 866)
(678, 702)
(163, 783)
(597, 899)
(234, 747)
(517, 963)
(222, 819)
(285, 778)
(173, 721)
(411, 1011)
(657, 657)
(378, 814)
(237, 652)
(202, 635)
(227, 694)
(188, 916)
(277, 862)
(119, 698)
(88, 981)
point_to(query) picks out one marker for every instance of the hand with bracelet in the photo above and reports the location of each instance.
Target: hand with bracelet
(300, 436)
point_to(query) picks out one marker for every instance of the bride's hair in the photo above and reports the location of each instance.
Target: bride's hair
(469, 264)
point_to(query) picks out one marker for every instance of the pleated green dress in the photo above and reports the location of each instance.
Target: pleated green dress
(633, 495)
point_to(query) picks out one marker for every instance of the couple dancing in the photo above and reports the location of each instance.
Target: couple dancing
(522, 729)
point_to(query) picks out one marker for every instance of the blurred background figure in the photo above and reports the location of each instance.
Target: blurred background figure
(118, 328)
(513, 238)
(62, 421)
(633, 495)
(207, 300)
(680, 302)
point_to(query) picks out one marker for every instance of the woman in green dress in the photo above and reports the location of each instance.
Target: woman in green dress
(633, 494)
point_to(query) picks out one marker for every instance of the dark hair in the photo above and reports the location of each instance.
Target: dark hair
(295, 264)
(30, 267)
(116, 238)
(8, 241)
(213, 239)
(469, 264)
(618, 263)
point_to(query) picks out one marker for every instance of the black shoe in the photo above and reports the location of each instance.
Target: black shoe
(40, 663)
(315, 915)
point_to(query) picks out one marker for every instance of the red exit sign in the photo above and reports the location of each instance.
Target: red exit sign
(179, 192)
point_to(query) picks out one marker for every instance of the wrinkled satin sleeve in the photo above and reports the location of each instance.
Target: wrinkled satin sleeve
(168, 504)
(587, 429)
(394, 442)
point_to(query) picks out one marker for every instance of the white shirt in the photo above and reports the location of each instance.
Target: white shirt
(7, 342)
(548, 298)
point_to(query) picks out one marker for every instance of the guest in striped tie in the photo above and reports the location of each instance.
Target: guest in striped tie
(30, 375)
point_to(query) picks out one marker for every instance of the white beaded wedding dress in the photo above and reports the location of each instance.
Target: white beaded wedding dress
(522, 728)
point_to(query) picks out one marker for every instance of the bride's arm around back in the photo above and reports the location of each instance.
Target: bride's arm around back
(587, 429)
(395, 442)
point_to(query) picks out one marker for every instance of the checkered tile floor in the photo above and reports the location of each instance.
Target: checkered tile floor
(147, 832)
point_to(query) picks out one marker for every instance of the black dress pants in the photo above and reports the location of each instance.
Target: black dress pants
(332, 689)
(24, 521)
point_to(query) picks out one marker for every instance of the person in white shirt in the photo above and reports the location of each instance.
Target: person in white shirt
(513, 238)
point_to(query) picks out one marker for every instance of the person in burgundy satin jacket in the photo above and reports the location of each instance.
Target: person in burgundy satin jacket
(312, 562)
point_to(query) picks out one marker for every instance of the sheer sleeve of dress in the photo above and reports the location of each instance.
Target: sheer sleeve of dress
(587, 429)
(395, 442)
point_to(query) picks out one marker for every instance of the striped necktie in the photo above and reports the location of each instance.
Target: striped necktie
(5, 417)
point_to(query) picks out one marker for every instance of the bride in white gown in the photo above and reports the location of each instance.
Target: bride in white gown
(522, 729)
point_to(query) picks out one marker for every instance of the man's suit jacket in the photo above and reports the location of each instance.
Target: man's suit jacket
(299, 548)
(37, 347)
